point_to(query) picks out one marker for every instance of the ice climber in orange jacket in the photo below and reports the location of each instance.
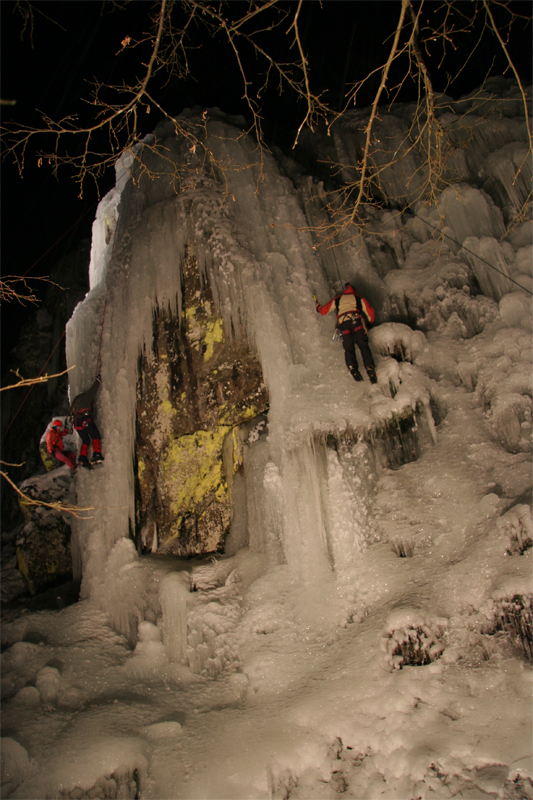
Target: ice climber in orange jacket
(56, 446)
(353, 315)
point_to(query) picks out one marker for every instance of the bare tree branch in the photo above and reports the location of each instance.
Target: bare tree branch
(32, 381)
(374, 111)
(414, 47)
(68, 508)
(515, 73)
(13, 287)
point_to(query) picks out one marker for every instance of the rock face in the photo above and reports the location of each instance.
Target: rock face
(196, 388)
(43, 551)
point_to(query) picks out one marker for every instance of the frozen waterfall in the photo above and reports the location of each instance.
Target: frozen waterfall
(365, 631)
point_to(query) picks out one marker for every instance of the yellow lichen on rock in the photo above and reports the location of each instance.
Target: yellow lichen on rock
(214, 335)
(192, 469)
(167, 408)
(237, 448)
(234, 414)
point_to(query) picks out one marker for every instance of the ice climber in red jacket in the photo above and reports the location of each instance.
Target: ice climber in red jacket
(353, 315)
(56, 446)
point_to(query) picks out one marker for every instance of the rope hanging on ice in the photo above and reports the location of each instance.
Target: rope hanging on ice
(336, 264)
(105, 306)
(101, 335)
(523, 288)
(59, 239)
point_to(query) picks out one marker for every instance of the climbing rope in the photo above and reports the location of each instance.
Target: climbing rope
(523, 288)
(101, 336)
(466, 249)
(105, 306)
(336, 263)
(58, 240)
(31, 387)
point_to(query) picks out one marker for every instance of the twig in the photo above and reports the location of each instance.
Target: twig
(59, 506)
(31, 381)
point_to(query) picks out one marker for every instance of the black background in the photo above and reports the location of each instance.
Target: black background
(48, 68)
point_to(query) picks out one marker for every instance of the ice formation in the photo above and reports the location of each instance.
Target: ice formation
(352, 645)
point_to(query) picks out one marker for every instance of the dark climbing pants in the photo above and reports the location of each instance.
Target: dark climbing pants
(350, 338)
(88, 433)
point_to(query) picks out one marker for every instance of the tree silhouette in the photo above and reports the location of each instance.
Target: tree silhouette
(427, 48)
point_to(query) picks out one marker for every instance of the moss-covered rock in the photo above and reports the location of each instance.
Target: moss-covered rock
(195, 388)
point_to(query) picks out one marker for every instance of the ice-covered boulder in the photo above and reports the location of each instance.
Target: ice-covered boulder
(15, 766)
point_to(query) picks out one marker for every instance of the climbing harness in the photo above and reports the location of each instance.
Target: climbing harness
(356, 317)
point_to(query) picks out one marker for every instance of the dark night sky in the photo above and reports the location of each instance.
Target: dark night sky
(40, 213)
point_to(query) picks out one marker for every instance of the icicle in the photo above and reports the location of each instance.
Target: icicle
(509, 176)
(121, 591)
(431, 422)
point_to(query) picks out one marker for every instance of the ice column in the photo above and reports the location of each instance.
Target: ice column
(305, 542)
(347, 514)
(173, 596)
(264, 499)
(273, 494)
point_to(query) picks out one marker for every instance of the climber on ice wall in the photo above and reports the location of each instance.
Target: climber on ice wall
(353, 315)
(55, 445)
(82, 412)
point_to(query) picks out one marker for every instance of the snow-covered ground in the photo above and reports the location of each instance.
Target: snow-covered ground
(352, 647)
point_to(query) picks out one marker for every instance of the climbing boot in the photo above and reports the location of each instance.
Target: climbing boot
(356, 375)
(97, 458)
(371, 372)
(83, 461)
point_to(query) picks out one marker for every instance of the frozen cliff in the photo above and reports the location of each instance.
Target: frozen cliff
(354, 615)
